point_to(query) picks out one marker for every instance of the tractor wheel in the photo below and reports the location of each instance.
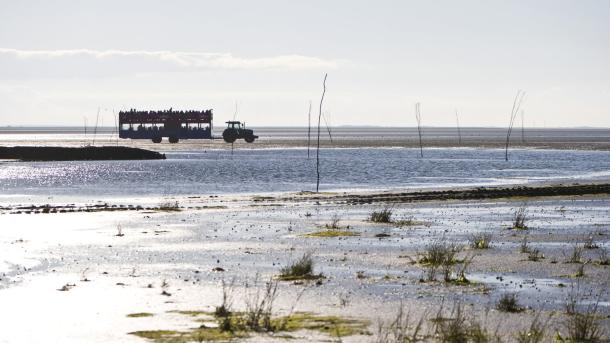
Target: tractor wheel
(173, 139)
(157, 139)
(229, 136)
(250, 139)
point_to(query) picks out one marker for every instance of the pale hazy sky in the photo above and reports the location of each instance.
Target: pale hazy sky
(61, 60)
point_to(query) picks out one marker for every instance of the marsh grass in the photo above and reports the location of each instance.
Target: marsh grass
(258, 318)
(169, 206)
(259, 306)
(458, 327)
(519, 218)
(580, 272)
(119, 231)
(334, 223)
(301, 269)
(576, 254)
(480, 240)
(382, 216)
(223, 312)
(443, 255)
(509, 303)
(583, 325)
(524, 246)
(403, 329)
(535, 333)
(534, 255)
(589, 243)
(603, 258)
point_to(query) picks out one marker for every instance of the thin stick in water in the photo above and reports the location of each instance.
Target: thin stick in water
(513, 114)
(457, 119)
(308, 129)
(418, 117)
(318, 149)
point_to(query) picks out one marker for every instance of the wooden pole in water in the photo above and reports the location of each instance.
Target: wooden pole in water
(308, 129)
(318, 149)
(457, 119)
(418, 117)
(96, 122)
(522, 128)
(85, 138)
(513, 114)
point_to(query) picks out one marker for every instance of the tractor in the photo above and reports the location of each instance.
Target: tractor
(237, 130)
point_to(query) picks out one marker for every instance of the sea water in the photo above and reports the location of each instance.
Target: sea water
(290, 170)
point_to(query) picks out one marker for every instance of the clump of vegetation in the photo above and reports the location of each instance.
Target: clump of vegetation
(169, 206)
(119, 231)
(524, 247)
(519, 218)
(401, 329)
(301, 269)
(534, 255)
(333, 229)
(458, 327)
(509, 303)
(583, 326)
(443, 255)
(440, 252)
(480, 240)
(258, 317)
(534, 334)
(603, 258)
(407, 222)
(259, 307)
(334, 223)
(580, 272)
(223, 312)
(383, 216)
(332, 233)
(576, 254)
(590, 243)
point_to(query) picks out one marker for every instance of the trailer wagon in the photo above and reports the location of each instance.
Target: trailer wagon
(175, 125)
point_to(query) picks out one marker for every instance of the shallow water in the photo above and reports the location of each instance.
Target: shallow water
(281, 170)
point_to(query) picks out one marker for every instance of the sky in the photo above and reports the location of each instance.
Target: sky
(264, 61)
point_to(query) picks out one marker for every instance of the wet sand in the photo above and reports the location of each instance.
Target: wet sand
(75, 276)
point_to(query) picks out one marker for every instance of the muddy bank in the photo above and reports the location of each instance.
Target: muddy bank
(479, 193)
(87, 153)
(158, 276)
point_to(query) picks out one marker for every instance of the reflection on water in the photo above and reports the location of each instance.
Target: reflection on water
(272, 170)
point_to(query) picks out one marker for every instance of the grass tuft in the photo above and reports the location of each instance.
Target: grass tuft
(509, 303)
(301, 269)
(480, 241)
(383, 216)
(519, 218)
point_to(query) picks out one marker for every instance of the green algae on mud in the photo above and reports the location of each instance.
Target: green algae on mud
(332, 233)
(195, 335)
(333, 326)
(140, 315)
(193, 313)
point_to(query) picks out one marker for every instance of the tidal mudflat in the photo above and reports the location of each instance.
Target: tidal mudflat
(307, 267)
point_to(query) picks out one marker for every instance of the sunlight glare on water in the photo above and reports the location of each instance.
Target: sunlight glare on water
(280, 170)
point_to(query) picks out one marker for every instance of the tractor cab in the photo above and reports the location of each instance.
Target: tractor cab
(236, 125)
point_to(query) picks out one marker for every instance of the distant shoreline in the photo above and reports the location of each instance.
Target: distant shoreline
(342, 137)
